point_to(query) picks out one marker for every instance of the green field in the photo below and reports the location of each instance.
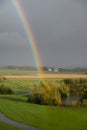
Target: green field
(4, 126)
(30, 72)
(45, 117)
(25, 83)
(21, 83)
(16, 72)
(20, 86)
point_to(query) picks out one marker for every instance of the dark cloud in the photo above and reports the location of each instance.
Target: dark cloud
(3, 2)
(59, 26)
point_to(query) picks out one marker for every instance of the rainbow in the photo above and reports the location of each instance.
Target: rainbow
(30, 36)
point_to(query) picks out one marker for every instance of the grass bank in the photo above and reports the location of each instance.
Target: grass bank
(45, 117)
(4, 126)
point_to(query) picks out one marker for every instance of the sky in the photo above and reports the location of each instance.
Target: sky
(59, 27)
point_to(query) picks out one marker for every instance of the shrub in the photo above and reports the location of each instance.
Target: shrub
(55, 100)
(84, 103)
(64, 90)
(31, 98)
(83, 91)
(74, 104)
(5, 90)
(46, 94)
(67, 81)
(38, 98)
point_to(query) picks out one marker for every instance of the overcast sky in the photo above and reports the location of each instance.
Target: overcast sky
(59, 26)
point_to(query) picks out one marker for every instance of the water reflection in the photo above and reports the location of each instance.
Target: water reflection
(70, 99)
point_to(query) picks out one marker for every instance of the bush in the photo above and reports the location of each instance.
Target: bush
(46, 94)
(83, 91)
(31, 98)
(53, 93)
(67, 81)
(84, 103)
(74, 104)
(64, 90)
(36, 98)
(5, 90)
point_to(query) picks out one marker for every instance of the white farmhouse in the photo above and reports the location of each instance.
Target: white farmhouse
(55, 69)
(50, 70)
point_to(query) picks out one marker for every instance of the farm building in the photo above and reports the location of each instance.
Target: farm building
(53, 69)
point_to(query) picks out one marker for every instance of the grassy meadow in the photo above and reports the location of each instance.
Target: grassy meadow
(21, 83)
(40, 116)
(44, 117)
(25, 83)
(4, 126)
(16, 72)
(30, 72)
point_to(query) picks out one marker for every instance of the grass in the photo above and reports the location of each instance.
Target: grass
(4, 126)
(16, 72)
(21, 86)
(21, 83)
(25, 83)
(45, 117)
(30, 72)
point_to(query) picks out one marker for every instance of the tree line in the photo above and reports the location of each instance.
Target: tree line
(53, 93)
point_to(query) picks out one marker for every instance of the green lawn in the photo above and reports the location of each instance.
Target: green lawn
(4, 126)
(45, 117)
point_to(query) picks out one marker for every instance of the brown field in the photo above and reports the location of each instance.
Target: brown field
(49, 76)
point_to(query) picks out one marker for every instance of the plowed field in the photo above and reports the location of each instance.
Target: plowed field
(49, 76)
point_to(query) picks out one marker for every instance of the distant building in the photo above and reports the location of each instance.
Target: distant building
(55, 69)
(50, 70)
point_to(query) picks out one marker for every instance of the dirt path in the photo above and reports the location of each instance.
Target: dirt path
(16, 124)
(48, 76)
